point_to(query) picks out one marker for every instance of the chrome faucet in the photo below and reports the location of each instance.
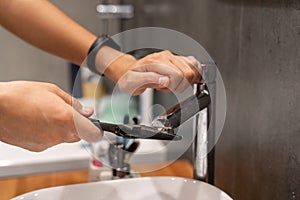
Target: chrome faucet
(198, 106)
(204, 128)
(201, 105)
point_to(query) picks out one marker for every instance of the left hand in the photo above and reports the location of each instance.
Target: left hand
(162, 71)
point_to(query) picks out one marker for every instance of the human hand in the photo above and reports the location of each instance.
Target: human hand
(162, 71)
(36, 116)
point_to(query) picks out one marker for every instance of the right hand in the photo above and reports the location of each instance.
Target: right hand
(36, 116)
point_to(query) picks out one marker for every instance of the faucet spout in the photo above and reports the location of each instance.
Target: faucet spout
(183, 111)
(204, 128)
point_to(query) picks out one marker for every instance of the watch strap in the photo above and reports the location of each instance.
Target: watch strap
(102, 40)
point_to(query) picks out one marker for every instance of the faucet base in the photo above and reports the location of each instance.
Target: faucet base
(104, 173)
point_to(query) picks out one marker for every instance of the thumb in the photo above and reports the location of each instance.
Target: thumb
(86, 111)
(134, 82)
(85, 129)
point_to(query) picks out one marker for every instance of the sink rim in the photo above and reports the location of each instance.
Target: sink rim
(118, 181)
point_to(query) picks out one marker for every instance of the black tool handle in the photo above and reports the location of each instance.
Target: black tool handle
(145, 132)
(104, 126)
(136, 131)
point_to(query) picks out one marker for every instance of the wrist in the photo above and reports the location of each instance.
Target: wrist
(105, 49)
(104, 57)
(119, 66)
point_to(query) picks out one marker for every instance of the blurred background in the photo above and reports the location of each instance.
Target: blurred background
(21, 61)
(255, 44)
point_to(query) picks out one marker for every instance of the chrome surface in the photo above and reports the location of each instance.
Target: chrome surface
(108, 11)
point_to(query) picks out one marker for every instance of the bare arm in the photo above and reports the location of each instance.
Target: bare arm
(43, 25)
(50, 116)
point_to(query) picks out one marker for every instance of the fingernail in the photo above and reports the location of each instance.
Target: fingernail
(164, 81)
(87, 110)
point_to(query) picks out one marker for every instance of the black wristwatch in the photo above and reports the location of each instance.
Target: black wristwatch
(102, 40)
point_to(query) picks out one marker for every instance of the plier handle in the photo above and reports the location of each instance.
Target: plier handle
(136, 131)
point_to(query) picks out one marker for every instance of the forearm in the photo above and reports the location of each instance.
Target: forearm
(43, 25)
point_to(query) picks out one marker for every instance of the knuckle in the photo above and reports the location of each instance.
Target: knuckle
(193, 61)
(52, 87)
(189, 75)
(75, 103)
(167, 52)
(37, 148)
(192, 58)
(154, 56)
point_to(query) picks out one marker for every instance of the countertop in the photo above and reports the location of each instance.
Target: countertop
(15, 161)
(15, 186)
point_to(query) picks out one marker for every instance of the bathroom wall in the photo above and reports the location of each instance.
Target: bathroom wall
(20, 61)
(256, 46)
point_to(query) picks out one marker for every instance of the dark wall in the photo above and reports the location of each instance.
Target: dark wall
(256, 44)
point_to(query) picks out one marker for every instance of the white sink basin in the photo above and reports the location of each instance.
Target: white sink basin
(148, 188)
